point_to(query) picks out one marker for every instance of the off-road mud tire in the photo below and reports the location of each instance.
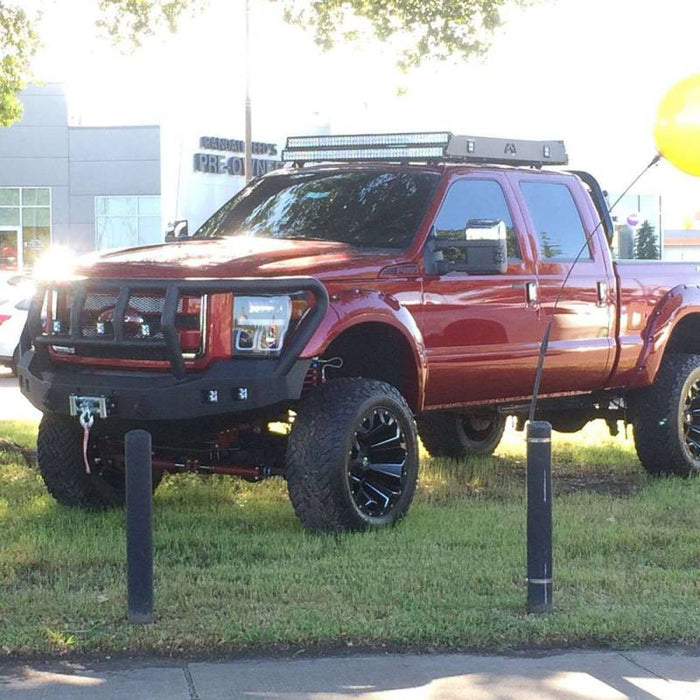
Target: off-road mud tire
(60, 460)
(319, 448)
(658, 418)
(446, 434)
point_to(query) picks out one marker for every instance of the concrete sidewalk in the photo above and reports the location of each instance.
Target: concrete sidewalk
(608, 675)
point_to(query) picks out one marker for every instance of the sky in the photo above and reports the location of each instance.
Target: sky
(590, 72)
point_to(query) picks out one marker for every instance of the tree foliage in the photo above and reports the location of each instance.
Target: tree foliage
(131, 21)
(645, 245)
(438, 29)
(421, 29)
(18, 44)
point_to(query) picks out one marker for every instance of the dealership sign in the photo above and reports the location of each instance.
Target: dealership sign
(219, 164)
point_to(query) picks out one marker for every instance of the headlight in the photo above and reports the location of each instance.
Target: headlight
(260, 324)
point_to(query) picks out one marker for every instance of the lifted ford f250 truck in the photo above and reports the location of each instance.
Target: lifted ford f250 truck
(400, 275)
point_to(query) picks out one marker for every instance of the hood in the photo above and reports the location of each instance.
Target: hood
(237, 257)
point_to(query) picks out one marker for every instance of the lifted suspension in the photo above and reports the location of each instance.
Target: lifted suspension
(250, 473)
(221, 456)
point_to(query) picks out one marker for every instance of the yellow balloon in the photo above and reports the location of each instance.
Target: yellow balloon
(677, 129)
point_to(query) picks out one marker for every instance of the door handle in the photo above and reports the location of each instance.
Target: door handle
(531, 293)
(602, 291)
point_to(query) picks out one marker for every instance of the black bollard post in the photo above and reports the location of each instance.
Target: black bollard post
(539, 517)
(139, 527)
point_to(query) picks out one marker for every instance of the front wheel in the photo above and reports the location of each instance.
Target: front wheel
(60, 459)
(666, 418)
(352, 456)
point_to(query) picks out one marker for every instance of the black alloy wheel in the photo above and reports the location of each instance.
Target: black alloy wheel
(377, 465)
(352, 456)
(690, 420)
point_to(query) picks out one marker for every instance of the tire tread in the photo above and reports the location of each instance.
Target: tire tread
(315, 450)
(655, 414)
(60, 461)
(61, 465)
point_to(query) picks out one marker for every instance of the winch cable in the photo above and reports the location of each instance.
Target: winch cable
(544, 344)
(87, 420)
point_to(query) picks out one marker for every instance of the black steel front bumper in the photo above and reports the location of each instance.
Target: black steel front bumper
(226, 386)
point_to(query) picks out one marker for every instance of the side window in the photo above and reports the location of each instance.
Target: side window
(557, 222)
(475, 199)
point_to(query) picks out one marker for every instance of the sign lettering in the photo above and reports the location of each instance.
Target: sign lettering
(234, 165)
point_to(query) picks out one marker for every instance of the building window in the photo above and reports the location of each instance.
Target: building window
(25, 226)
(121, 222)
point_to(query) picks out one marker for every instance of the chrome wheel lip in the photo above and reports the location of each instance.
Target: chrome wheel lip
(689, 421)
(377, 464)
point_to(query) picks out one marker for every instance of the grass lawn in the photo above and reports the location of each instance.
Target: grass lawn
(235, 572)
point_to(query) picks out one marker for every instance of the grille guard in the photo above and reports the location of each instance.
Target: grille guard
(34, 335)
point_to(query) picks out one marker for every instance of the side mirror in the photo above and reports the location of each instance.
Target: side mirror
(482, 251)
(176, 231)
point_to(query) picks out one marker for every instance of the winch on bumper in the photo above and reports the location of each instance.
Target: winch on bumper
(225, 386)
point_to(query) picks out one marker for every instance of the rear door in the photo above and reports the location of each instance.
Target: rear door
(481, 332)
(559, 218)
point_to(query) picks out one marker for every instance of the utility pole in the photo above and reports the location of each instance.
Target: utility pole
(248, 115)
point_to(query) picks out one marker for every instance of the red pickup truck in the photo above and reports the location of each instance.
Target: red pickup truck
(377, 289)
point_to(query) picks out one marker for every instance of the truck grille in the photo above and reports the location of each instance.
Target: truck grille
(142, 323)
(157, 320)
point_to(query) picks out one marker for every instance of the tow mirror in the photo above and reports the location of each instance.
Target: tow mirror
(176, 231)
(480, 249)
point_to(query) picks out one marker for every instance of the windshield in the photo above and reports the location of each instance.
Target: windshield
(365, 208)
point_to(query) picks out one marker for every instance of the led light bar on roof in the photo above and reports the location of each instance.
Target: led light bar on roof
(424, 146)
(368, 140)
(415, 153)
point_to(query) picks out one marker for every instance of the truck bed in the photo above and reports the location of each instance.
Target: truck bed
(641, 285)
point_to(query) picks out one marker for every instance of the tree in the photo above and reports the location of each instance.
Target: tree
(550, 249)
(18, 44)
(437, 29)
(645, 246)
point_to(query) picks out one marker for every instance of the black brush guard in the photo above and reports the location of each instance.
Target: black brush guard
(135, 394)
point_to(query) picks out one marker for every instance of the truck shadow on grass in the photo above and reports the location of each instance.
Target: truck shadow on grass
(588, 462)
(503, 477)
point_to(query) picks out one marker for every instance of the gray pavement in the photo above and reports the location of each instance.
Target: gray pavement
(13, 406)
(608, 675)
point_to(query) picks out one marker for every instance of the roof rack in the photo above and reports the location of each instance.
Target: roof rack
(424, 146)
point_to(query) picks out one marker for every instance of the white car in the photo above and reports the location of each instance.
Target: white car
(15, 295)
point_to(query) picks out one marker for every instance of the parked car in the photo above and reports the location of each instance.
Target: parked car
(15, 295)
(402, 287)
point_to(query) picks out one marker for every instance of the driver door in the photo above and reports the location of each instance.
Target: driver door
(481, 332)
